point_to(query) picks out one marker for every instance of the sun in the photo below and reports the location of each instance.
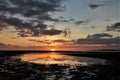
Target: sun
(52, 49)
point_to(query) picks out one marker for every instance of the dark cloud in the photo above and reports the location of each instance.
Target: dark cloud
(53, 41)
(61, 17)
(51, 32)
(107, 20)
(101, 35)
(2, 45)
(72, 19)
(92, 27)
(67, 32)
(14, 47)
(81, 22)
(102, 39)
(60, 41)
(94, 6)
(113, 27)
(3, 25)
(39, 41)
(63, 42)
(63, 20)
(30, 7)
(18, 23)
(31, 15)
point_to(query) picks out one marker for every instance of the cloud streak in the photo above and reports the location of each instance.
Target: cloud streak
(39, 41)
(100, 35)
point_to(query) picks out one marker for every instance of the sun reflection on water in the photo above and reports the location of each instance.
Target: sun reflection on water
(56, 58)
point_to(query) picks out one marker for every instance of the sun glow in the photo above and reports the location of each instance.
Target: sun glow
(52, 49)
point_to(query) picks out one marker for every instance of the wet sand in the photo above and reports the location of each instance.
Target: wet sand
(12, 68)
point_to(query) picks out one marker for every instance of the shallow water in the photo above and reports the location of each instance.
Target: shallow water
(59, 58)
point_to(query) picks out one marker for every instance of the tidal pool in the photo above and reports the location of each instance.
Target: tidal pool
(59, 58)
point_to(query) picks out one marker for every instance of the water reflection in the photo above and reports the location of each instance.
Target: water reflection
(59, 58)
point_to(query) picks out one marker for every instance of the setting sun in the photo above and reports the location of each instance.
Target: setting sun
(52, 49)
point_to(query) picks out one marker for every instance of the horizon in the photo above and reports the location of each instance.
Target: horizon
(99, 50)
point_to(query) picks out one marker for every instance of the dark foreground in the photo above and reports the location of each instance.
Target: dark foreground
(15, 69)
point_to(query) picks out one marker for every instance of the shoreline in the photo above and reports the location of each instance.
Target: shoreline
(104, 55)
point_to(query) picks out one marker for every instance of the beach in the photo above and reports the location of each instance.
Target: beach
(13, 68)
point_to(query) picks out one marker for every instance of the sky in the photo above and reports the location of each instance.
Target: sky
(73, 25)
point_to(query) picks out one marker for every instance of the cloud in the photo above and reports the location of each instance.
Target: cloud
(60, 41)
(81, 22)
(2, 45)
(30, 7)
(94, 6)
(13, 47)
(51, 32)
(63, 20)
(102, 39)
(39, 41)
(67, 32)
(63, 42)
(114, 27)
(28, 16)
(108, 20)
(2, 25)
(101, 35)
(61, 17)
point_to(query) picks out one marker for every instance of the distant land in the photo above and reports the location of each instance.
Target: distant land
(105, 53)
(101, 50)
(107, 50)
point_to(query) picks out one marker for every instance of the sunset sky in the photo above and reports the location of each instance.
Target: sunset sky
(59, 24)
